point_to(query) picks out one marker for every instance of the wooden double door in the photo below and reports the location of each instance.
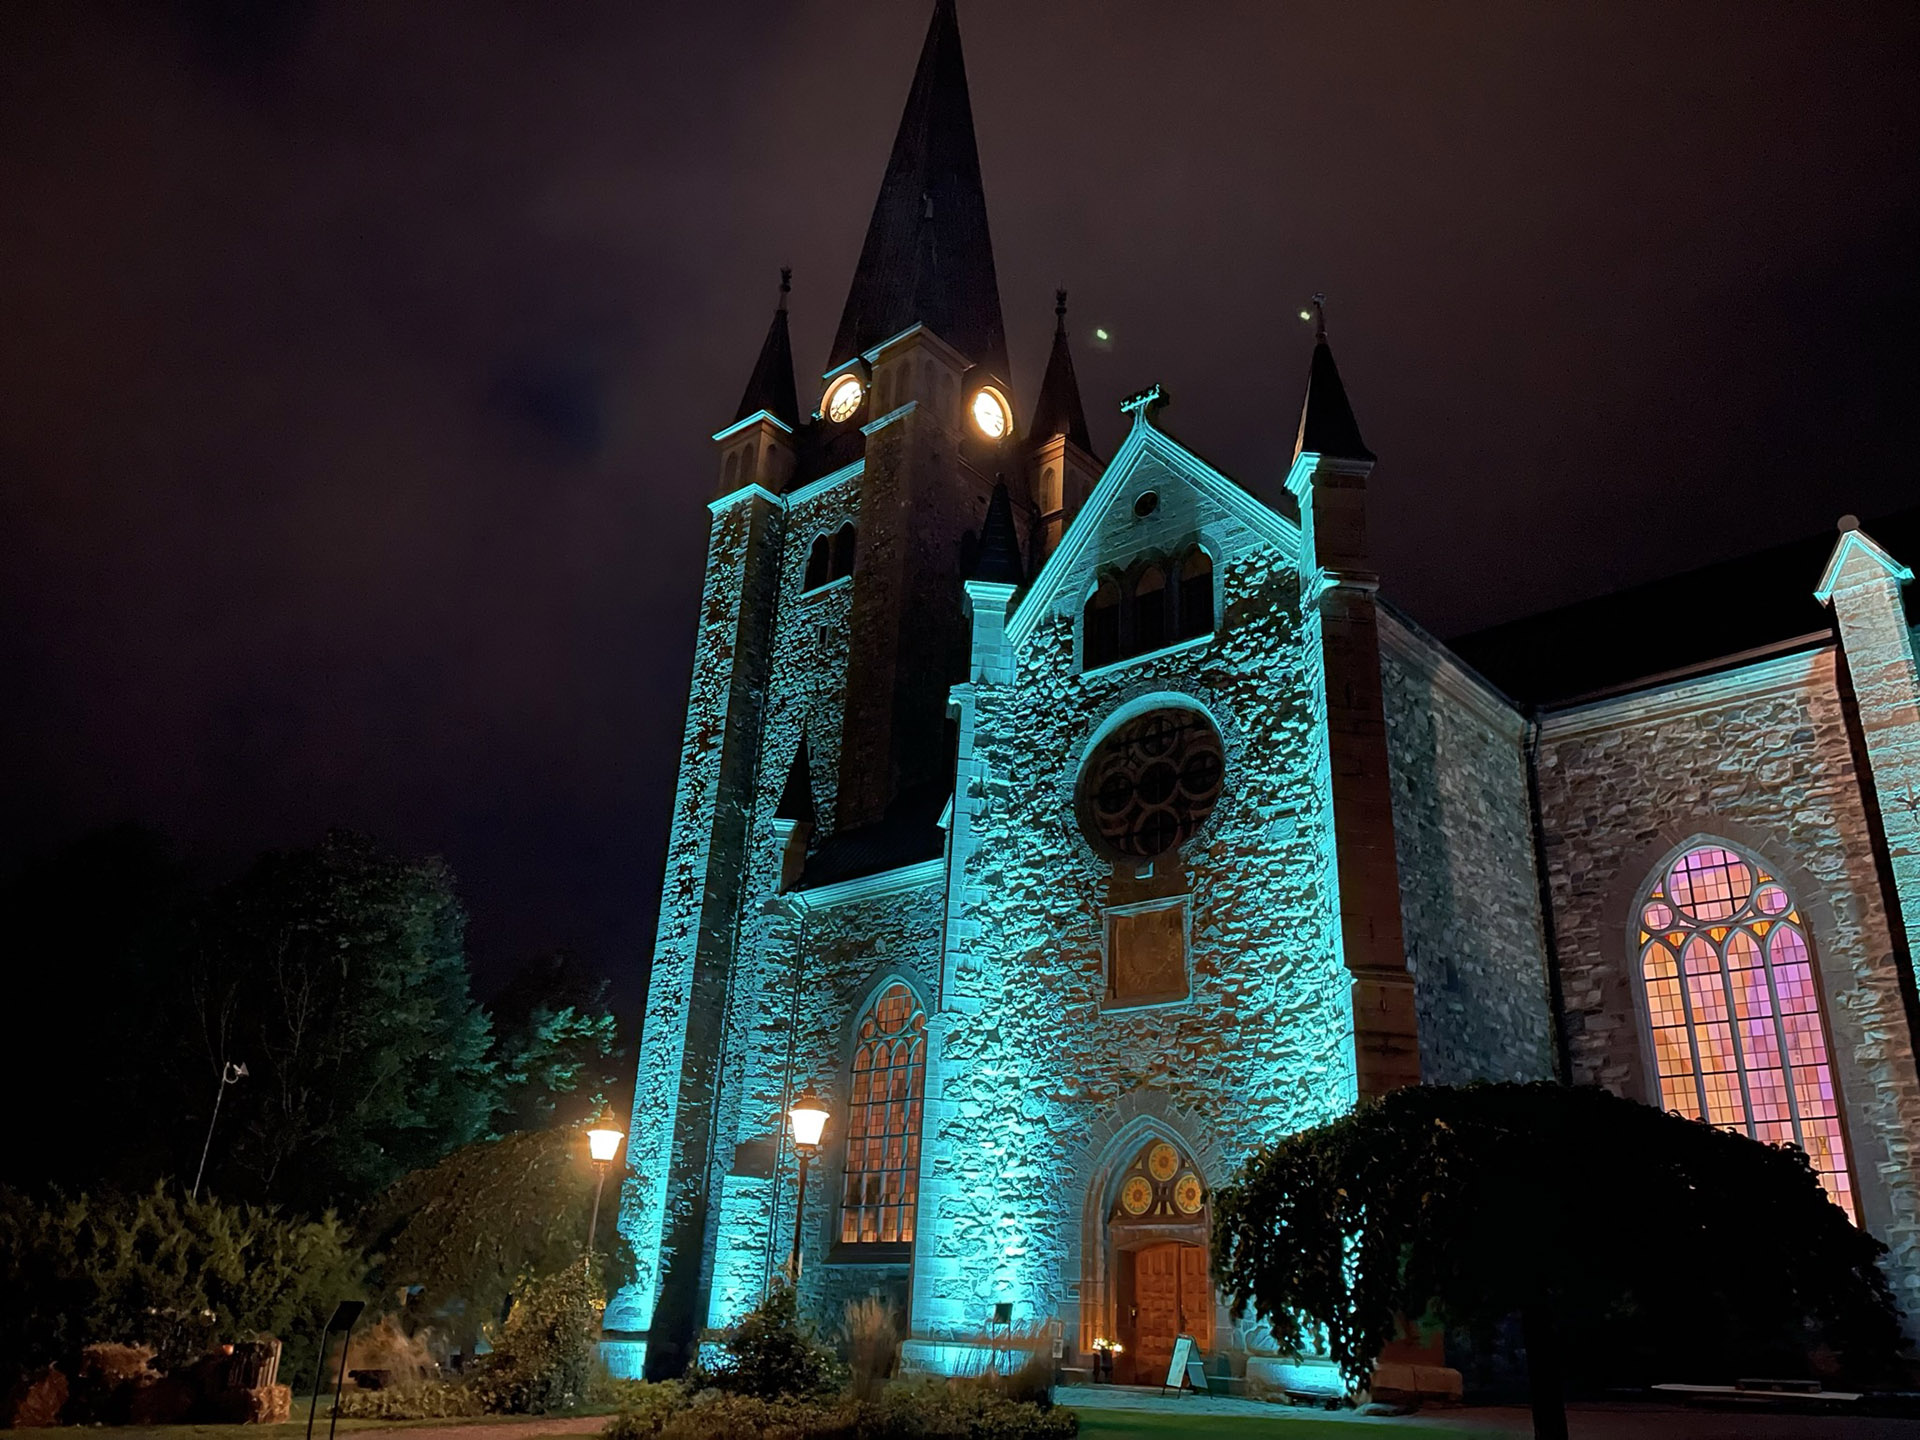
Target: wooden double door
(1165, 1292)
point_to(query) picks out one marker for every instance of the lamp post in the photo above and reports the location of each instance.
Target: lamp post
(809, 1118)
(603, 1143)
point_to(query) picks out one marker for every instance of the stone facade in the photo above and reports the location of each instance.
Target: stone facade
(1470, 892)
(1761, 757)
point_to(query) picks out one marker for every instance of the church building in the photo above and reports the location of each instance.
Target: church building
(1069, 826)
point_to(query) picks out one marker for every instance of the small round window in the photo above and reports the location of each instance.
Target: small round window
(1150, 785)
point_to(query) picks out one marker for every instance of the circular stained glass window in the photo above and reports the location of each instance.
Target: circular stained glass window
(1136, 1195)
(1150, 785)
(1188, 1194)
(1162, 1161)
(1710, 883)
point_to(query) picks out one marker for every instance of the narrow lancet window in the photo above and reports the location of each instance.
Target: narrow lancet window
(843, 552)
(1733, 1006)
(882, 1185)
(819, 559)
(1196, 594)
(1100, 627)
(1150, 610)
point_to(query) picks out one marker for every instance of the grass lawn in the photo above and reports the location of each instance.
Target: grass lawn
(524, 1427)
(1285, 1425)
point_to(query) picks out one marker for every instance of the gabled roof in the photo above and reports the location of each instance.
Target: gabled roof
(1856, 542)
(770, 387)
(1058, 410)
(1143, 443)
(999, 556)
(908, 833)
(928, 256)
(1327, 426)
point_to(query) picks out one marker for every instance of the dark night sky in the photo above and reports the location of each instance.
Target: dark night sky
(357, 361)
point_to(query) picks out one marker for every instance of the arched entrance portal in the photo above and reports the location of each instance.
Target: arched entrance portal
(1157, 1226)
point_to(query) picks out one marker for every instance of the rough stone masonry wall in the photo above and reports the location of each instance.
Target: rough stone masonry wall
(664, 1199)
(804, 691)
(1470, 892)
(1033, 1075)
(1761, 758)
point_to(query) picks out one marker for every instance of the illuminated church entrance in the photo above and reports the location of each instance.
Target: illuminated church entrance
(1157, 1227)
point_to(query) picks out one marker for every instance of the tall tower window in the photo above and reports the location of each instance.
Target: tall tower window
(843, 551)
(1733, 1006)
(819, 563)
(1196, 594)
(882, 1185)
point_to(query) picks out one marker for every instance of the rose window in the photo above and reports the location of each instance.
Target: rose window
(1152, 783)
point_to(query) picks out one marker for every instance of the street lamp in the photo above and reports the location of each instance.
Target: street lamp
(603, 1143)
(809, 1118)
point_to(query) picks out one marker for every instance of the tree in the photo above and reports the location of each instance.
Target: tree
(468, 1229)
(337, 974)
(556, 1044)
(157, 1269)
(1633, 1244)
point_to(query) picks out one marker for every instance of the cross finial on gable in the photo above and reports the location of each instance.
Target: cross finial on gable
(1320, 315)
(1144, 405)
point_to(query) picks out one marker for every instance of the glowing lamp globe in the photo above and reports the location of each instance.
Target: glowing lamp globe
(603, 1141)
(809, 1117)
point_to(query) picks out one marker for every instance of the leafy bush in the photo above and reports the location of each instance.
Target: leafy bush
(772, 1352)
(1631, 1242)
(467, 1229)
(543, 1357)
(928, 1410)
(425, 1400)
(177, 1275)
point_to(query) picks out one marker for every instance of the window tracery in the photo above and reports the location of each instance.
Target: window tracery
(1733, 1007)
(880, 1191)
(1150, 785)
(1148, 607)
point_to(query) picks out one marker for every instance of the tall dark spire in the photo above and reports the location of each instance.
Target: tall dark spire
(927, 256)
(998, 559)
(1058, 410)
(771, 386)
(1327, 426)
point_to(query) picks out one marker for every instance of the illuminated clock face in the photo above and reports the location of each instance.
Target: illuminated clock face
(843, 398)
(990, 413)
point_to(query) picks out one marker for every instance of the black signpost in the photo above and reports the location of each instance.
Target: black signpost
(344, 1316)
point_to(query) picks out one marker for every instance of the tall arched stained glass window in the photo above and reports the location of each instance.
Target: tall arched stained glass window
(1738, 1037)
(883, 1131)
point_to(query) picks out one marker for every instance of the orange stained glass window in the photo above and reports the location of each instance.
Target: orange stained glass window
(882, 1184)
(1734, 1011)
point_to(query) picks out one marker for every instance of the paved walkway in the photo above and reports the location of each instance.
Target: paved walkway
(1584, 1422)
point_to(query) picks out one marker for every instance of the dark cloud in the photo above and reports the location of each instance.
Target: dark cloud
(356, 361)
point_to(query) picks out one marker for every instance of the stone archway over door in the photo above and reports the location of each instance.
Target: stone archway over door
(1157, 1228)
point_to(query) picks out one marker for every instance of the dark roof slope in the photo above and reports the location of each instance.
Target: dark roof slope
(770, 387)
(928, 257)
(909, 833)
(1683, 622)
(1058, 410)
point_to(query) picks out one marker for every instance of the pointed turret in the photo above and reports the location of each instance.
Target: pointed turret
(796, 799)
(927, 257)
(1058, 410)
(771, 387)
(998, 560)
(1327, 426)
